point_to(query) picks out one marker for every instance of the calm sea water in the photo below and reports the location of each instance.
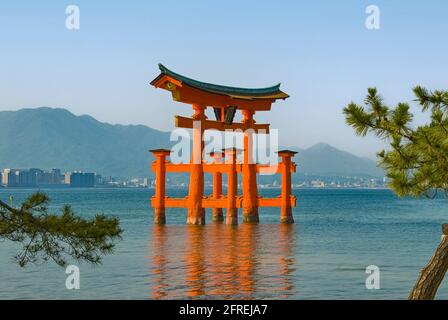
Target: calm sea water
(323, 256)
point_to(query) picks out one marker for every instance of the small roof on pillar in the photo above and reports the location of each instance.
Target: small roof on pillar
(160, 151)
(288, 152)
(273, 92)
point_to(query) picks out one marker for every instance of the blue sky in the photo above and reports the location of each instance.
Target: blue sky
(320, 51)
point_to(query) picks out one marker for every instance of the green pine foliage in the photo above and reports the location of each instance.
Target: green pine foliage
(417, 161)
(56, 237)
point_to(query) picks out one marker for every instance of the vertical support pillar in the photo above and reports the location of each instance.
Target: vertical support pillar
(217, 213)
(286, 210)
(159, 196)
(232, 187)
(249, 174)
(196, 214)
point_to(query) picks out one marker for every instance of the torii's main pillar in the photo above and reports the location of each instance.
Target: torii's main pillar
(196, 213)
(249, 173)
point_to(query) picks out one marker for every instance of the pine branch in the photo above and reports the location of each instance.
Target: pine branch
(46, 236)
(418, 160)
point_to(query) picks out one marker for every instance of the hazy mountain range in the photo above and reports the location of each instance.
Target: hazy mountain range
(55, 138)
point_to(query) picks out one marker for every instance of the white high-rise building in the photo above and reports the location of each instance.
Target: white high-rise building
(5, 176)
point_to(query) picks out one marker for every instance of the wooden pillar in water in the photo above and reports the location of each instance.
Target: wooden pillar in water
(160, 172)
(232, 187)
(285, 209)
(196, 214)
(249, 174)
(217, 213)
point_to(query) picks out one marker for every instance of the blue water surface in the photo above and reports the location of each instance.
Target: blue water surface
(338, 233)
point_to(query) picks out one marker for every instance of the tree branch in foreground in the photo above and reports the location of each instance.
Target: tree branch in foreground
(46, 236)
(416, 162)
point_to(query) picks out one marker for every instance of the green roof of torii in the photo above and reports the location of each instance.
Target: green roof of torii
(273, 92)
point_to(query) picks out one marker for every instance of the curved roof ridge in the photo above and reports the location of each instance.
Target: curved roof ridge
(219, 88)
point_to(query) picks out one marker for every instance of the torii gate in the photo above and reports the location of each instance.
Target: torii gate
(225, 101)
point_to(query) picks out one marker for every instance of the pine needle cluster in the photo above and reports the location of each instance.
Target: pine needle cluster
(58, 237)
(417, 161)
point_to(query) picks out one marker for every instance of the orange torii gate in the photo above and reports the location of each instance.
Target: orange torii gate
(225, 101)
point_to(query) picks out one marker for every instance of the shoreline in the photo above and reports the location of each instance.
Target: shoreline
(186, 187)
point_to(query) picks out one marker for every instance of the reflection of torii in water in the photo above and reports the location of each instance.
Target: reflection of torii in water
(225, 101)
(221, 263)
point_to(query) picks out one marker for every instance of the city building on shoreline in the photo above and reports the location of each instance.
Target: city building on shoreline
(54, 178)
(38, 178)
(79, 179)
(20, 178)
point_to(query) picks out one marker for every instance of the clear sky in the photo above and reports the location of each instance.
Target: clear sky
(320, 51)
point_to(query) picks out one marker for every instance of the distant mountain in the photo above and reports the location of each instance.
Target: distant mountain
(323, 159)
(55, 138)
